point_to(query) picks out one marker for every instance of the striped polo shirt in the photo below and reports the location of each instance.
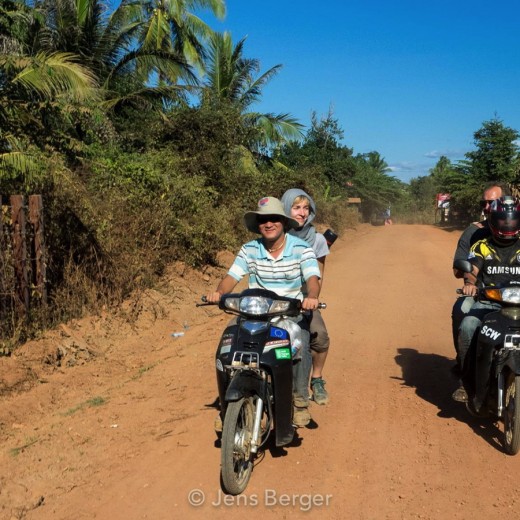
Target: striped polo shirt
(285, 275)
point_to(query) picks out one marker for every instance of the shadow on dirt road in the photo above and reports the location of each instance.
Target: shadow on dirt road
(431, 376)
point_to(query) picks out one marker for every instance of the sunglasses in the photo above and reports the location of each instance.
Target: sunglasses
(485, 203)
(268, 218)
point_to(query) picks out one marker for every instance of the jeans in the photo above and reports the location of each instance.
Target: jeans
(302, 368)
(470, 324)
(461, 307)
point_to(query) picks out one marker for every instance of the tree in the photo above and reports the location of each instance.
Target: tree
(374, 186)
(376, 162)
(170, 25)
(233, 81)
(107, 43)
(321, 155)
(496, 154)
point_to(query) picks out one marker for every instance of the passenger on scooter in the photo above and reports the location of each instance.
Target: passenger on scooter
(491, 258)
(299, 205)
(284, 264)
(474, 232)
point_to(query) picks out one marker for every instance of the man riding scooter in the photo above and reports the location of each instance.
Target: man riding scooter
(496, 261)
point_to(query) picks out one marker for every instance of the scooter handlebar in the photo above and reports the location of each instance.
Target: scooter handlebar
(205, 302)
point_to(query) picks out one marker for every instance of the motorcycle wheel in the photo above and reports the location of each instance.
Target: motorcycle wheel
(512, 414)
(236, 456)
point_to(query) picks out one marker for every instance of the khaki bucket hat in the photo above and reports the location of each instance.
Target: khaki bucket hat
(268, 206)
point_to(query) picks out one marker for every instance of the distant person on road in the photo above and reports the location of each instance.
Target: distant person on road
(300, 206)
(387, 216)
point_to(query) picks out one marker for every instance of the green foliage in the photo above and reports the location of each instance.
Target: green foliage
(321, 155)
(95, 115)
(496, 158)
(496, 154)
(376, 189)
(234, 82)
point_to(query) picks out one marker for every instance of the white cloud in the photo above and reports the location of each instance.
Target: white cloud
(450, 154)
(407, 170)
(404, 166)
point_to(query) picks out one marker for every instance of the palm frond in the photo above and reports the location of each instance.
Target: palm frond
(167, 64)
(51, 75)
(16, 163)
(217, 7)
(253, 92)
(147, 97)
(275, 128)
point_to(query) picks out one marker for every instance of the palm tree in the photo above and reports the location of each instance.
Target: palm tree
(376, 162)
(107, 44)
(170, 25)
(232, 80)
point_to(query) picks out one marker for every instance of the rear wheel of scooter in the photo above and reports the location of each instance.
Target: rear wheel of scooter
(236, 457)
(512, 414)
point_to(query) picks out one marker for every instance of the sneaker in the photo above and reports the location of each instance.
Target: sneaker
(460, 395)
(319, 394)
(301, 417)
(218, 424)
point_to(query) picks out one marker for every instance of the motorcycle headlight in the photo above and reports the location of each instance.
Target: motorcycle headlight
(279, 306)
(511, 295)
(254, 305)
(232, 303)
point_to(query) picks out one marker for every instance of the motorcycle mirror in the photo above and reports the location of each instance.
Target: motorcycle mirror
(463, 265)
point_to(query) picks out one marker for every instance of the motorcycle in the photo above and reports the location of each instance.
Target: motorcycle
(254, 367)
(492, 371)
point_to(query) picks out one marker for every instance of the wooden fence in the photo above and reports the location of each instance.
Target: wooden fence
(23, 260)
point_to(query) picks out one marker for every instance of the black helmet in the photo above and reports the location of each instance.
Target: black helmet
(504, 218)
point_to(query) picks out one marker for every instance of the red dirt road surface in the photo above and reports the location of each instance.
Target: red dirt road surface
(110, 417)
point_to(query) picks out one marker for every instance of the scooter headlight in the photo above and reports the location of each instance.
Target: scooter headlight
(279, 306)
(232, 303)
(254, 305)
(511, 295)
(505, 295)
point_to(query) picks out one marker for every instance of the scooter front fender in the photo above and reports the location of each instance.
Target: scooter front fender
(244, 384)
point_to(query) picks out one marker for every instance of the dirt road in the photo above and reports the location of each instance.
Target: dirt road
(112, 419)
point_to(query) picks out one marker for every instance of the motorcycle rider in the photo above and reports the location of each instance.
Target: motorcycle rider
(286, 265)
(299, 205)
(491, 258)
(474, 232)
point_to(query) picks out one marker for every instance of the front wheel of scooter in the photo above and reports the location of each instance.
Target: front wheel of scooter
(512, 414)
(236, 456)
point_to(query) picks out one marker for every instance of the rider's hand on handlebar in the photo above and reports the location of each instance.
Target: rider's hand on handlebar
(213, 297)
(469, 290)
(310, 304)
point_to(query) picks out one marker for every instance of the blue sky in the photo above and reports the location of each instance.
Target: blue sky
(412, 80)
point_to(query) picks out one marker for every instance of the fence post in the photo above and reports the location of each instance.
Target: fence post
(20, 253)
(3, 266)
(36, 219)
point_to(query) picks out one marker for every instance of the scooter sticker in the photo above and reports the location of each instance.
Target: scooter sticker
(282, 353)
(278, 333)
(490, 333)
(277, 343)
